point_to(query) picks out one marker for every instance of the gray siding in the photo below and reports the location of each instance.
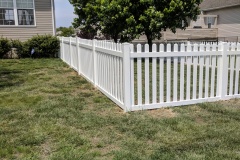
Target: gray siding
(228, 21)
(214, 4)
(44, 23)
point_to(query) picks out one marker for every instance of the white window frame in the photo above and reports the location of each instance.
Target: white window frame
(15, 11)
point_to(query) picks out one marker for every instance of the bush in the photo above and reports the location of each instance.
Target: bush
(5, 46)
(44, 46)
(20, 47)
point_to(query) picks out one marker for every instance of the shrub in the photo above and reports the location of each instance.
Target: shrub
(20, 47)
(43, 45)
(5, 46)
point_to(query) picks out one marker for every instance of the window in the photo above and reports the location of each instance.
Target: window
(210, 20)
(17, 12)
(6, 12)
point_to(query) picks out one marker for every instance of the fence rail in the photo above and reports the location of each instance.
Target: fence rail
(170, 75)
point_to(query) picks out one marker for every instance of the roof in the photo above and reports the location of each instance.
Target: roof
(217, 4)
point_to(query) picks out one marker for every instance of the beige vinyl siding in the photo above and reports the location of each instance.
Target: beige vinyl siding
(194, 34)
(190, 34)
(44, 23)
(228, 21)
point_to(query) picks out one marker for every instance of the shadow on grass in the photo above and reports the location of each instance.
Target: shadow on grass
(9, 78)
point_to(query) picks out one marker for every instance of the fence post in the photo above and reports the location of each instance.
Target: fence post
(126, 77)
(223, 72)
(77, 54)
(95, 80)
(70, 46)
(62, 51)
(79, 57)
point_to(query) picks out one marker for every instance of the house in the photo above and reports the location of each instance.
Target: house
(204, 28)
(219, 21)
(228, 12)
(22, 19)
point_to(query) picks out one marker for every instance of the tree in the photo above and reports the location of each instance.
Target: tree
(129, 19)
(103, 15)
(87, 32)
(65, 32)
(87, 19)
(150, 17)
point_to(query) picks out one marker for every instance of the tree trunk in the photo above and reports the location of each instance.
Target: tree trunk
(115, 38)
(149, 38)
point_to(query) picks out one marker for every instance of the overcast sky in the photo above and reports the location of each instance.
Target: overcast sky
(64, 13)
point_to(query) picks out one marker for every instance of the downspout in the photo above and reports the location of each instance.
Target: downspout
(53, 17)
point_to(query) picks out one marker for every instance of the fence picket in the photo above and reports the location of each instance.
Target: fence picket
(154, 76)
(161, 75)
(189, 62)
(146, 75)
(214, 46)
(232, 64)
(111, 75)
(213, 76)
(168, 74)
(115, 77)
(219, 59)
(237, 75)
(237, 71)
(195, 62)
(111, 68)
(175, 86)
(182, 74)
(139, 76)
(121, 80)
(207, 61)
(201, 62)
(132, 76)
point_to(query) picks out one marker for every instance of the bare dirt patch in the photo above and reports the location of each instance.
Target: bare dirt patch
(162, 113)
(46, 150)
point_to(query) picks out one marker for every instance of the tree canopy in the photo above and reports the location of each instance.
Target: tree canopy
(128, 19)
(65, 31)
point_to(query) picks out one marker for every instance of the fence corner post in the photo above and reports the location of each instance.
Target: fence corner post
(126, 77)
(223, 72)
(78, 62)
(70, 45)
(94, 63)
(79, 57)
(62, 51)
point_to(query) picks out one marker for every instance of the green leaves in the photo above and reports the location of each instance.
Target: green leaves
(65, 31)
(127, 19)
(44, 45)
(5, 46)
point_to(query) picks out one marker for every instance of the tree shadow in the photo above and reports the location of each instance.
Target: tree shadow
(9, 78)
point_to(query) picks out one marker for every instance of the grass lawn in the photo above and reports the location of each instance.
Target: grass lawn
(47, 111)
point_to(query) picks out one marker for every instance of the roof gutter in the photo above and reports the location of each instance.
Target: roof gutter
(210, 9)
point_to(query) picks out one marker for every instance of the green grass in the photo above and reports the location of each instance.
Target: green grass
(47, 111)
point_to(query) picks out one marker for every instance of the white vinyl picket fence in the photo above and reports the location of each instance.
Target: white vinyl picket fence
(136, 79)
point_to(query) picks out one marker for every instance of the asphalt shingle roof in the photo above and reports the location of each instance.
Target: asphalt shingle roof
(214, 4)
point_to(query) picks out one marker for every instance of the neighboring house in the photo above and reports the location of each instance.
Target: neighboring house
(22, 19)
(204, 28)
(228, 12)
(219, 20)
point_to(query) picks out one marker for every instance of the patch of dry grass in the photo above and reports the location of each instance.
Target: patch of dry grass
(47, 111)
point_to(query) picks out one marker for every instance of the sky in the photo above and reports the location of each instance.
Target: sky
(64, 13)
